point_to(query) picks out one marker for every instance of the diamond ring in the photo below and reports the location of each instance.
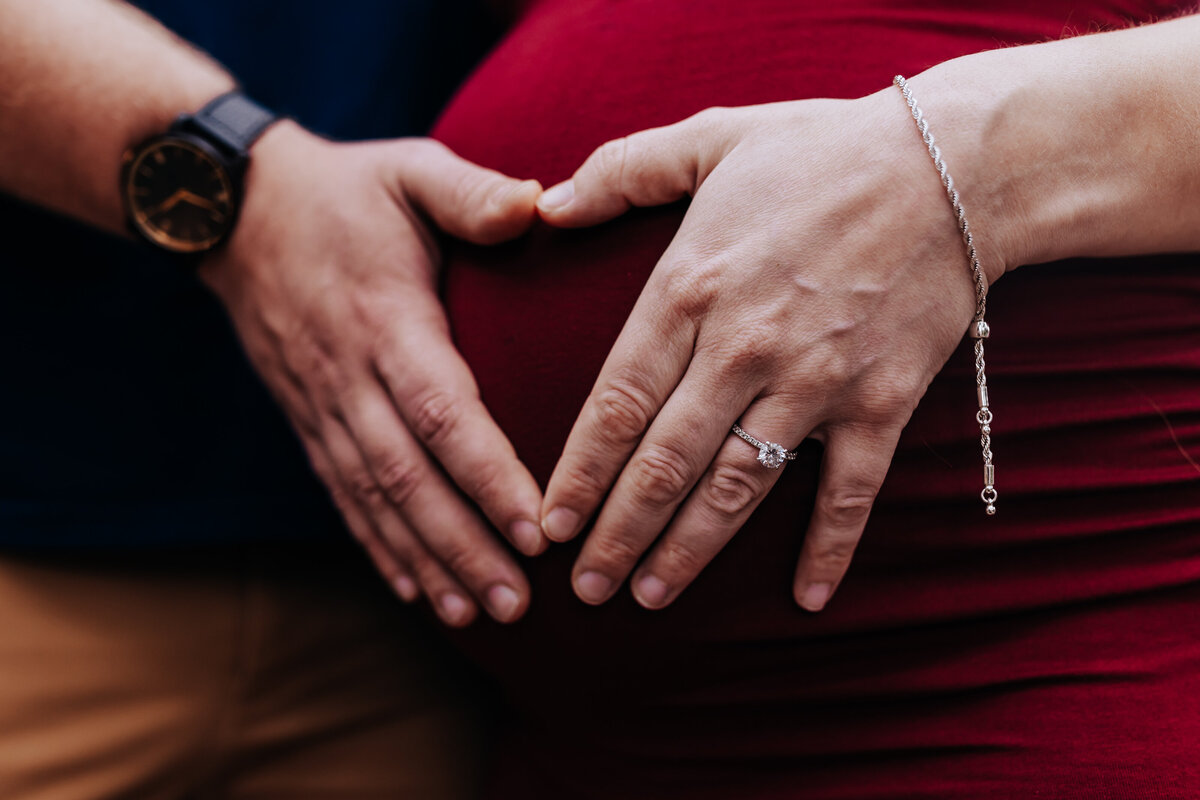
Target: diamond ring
(770, 455)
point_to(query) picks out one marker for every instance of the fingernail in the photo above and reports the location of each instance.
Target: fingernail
(592, 587)
(454, 608)
(816, 596)
(503, 602)
(651, 592)
(527, 536)
(557, 197)
(561, 524)
(405, 587)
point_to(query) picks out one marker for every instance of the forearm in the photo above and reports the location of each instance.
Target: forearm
(1083, 147)
(80, 82)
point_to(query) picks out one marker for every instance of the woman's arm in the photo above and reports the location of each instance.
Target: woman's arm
(1083, 147)
(818, 282)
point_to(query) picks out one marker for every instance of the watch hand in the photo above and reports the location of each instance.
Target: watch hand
(166, 205)
(197, 200)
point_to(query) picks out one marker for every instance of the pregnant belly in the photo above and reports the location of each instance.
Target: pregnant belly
(1094, 372)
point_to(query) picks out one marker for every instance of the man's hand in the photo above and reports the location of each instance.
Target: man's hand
(330, 280)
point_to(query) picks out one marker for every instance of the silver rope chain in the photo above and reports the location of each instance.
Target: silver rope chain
(979, 329)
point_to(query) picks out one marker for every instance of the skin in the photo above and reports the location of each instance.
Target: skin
(1085, 147)
(329, 280)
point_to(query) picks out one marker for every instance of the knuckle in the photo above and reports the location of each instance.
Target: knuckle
(703, 117)
(431, 576)
(314, 366)
(459, 558)
(623, 411)
(609, 159)
(584, 484)
(375, 317)
(365, 489)
(893, 399)
(613, 554)
(847, 508)
(402, 548)
(833, 365)
(732, 490)
(708, 118)
(679, 561)
(641, 172)
(691, 288)
(833, 551)
(397, 482)
(753, 352)
(755, 348)
(467, 191)
(435, 417)
(660, 475)
(491, 217)
(421, 147)
(488, 484)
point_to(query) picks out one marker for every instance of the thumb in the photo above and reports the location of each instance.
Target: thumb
(462, 198)
(648, 168)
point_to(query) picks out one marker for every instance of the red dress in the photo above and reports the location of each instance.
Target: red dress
(1050, 651)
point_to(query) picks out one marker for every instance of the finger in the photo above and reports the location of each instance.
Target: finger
(390, 566)
(400, 478)
(464, 199)
(439, 401)
(855, 463)
(662, 471)
(302, 415)
(648, 168)
(357, 489)
(647, 361)
(732, 487)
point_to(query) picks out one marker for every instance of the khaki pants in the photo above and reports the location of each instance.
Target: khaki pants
(223, 675)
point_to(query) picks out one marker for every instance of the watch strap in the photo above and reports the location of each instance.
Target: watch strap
(234, 120)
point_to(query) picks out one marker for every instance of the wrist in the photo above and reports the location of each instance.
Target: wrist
(275, 189)
(964, 109)
(277, 152)
(183, 188)
(1075, 148)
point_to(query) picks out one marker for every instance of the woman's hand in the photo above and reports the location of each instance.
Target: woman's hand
(330, 281)
(814, 289)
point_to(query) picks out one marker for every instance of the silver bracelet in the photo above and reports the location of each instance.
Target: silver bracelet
(979, 329)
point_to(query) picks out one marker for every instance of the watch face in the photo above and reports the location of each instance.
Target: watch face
(179, 195)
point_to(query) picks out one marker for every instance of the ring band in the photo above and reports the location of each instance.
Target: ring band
(770, 455)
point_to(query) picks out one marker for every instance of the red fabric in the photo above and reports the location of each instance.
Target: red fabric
(1051, 651)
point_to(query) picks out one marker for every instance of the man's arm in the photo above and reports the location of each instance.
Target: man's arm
(83, 81)
(328, 278)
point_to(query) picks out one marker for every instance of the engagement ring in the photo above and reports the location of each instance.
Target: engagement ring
(770, 455)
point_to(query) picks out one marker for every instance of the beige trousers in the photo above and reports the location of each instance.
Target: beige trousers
(223, 675)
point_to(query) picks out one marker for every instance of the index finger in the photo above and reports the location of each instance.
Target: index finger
(438, 399)
(642, 369)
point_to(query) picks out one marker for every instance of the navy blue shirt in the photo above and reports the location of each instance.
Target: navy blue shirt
(128, 412)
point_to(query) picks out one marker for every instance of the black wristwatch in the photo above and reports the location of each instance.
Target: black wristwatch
(183, 189)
